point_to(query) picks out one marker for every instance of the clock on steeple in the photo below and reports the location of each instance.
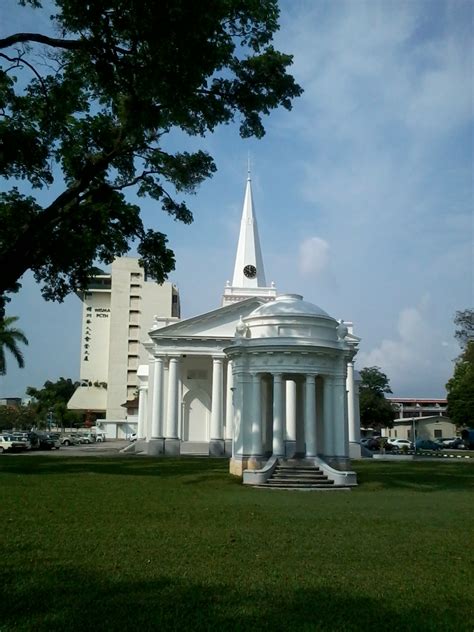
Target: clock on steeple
(250, 271)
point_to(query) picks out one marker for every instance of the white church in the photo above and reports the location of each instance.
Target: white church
(266, 379)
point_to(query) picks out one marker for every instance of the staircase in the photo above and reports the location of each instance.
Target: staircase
(293, 474)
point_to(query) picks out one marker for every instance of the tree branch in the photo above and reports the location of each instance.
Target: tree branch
(78, 44)
(20, 38)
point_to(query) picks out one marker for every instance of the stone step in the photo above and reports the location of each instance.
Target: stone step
(194, 448)
(297, 484)
(300, 481)
(304, 488)
(308, 468)
(287, 475)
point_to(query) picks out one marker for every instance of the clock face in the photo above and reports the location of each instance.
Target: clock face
(250, 272)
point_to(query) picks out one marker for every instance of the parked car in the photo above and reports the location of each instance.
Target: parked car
(456, 444)
(133, 436)
(9, 444)
(23, 436)
(44, 441)
(86, 438)
(401, 443)
(468, 437)
(446, 442)
(69, 439)
(427, 444)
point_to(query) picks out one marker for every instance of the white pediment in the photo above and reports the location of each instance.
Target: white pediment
(220, 323)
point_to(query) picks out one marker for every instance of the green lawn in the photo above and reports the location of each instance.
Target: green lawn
(137, 543)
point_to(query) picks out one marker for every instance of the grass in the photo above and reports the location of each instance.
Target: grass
(137, 543)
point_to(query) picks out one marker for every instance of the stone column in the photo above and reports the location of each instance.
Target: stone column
(172, 440)
(310, 416)
(229, 409)
(341, 443)
(256, 416)
(216, 444)
(328, 448)
(156, 445)
(354, 430)
(142, 411)
(290, 410)
(278, 430)
(300, 399)
(156, 415)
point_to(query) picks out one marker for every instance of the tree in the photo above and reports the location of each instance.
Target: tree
(460, 387)
(464, 321)
(53, 397)
(375, 410)
(89, 107)
(10, 337)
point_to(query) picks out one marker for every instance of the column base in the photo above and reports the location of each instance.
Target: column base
(228, 447)
(216, 447)
(140, 445)
(172, 447)
(341, 463)
(290, 449)
(237, 465)
(156, 447)
(354, 450)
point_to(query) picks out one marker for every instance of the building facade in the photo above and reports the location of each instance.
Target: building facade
(117, 312)
(262, 377)
(408, 407)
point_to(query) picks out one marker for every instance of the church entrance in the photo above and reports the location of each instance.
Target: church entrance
(197, 409)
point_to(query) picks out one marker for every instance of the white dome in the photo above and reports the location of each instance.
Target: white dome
(289, 317)
(289, 305)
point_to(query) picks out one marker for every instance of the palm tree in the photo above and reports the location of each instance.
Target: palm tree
(9, 339)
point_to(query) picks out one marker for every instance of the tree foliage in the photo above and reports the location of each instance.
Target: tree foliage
(460, 389)
(19, 418)
(87, 108)
(464, 321)
(52, 394)
(375, 410)
(10, 337)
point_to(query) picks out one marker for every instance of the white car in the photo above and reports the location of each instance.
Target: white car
(400, 443)
(8, 443)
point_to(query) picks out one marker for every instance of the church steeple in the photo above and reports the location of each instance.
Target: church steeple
(249, 274)
(248, 269)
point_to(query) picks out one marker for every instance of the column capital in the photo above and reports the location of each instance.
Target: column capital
(310, 377)
(278, 376)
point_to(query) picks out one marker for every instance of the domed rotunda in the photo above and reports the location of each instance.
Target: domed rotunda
(289, 362)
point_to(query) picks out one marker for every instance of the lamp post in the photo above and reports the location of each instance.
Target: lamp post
(413, 433)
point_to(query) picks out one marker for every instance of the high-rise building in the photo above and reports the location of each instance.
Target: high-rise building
(118, 310)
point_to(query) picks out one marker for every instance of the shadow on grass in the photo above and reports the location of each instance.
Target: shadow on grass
(193, 469)
(68, 599)
(421, 476)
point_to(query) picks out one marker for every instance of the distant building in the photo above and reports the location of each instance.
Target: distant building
(118, 310)
(427, 417)
(10, 401)
(418, 406)
(429, 427)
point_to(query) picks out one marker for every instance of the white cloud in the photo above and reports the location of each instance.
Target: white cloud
(413, 353)
(313, 256)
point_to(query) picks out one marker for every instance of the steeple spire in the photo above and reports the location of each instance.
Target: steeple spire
(248, 269)
(249, 274)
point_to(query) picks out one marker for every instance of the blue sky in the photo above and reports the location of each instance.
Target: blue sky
(364, 191)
